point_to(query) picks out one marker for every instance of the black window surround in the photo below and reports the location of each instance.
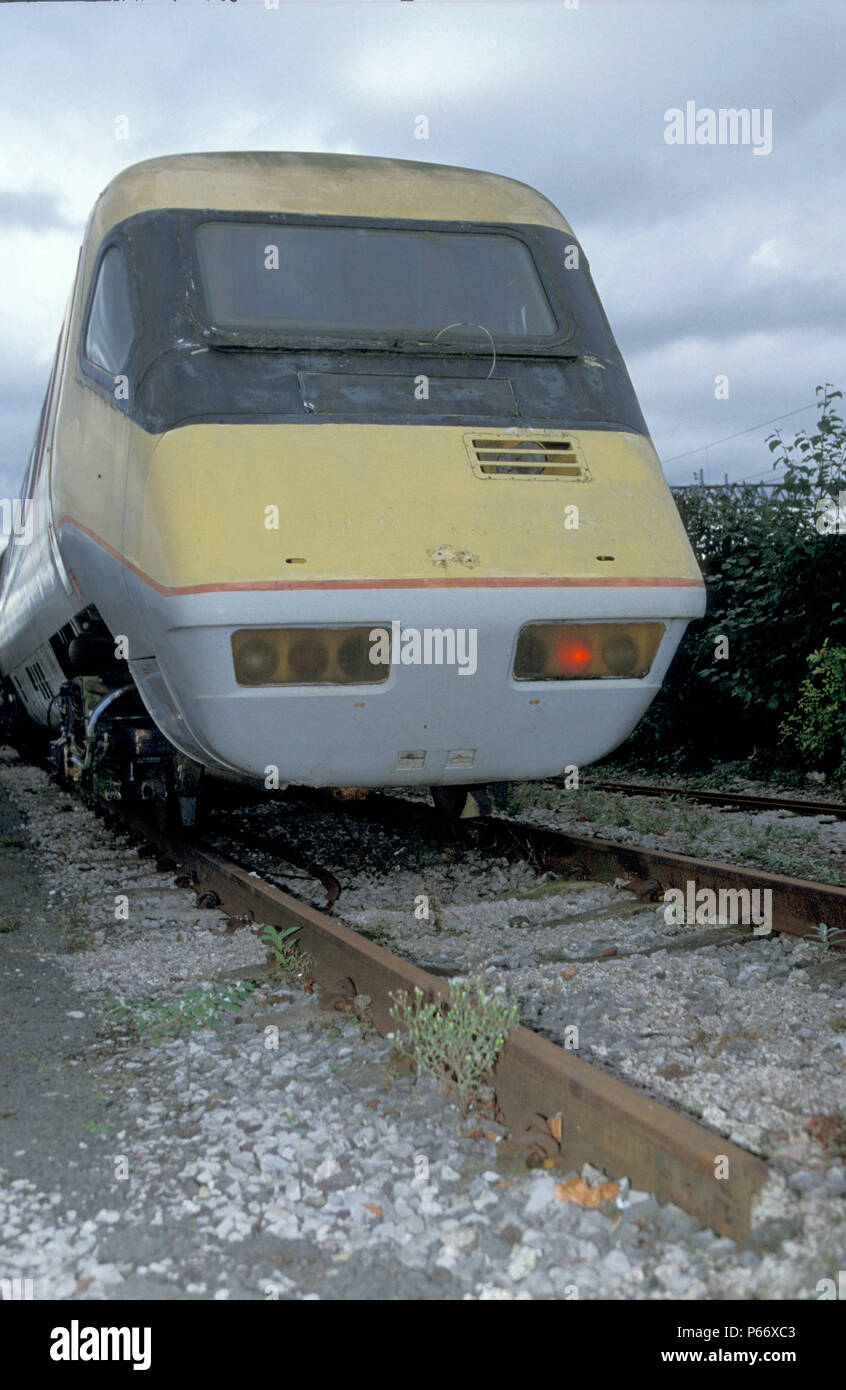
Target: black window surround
(182, 370)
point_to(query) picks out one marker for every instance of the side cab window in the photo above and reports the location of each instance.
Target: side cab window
(111, 327)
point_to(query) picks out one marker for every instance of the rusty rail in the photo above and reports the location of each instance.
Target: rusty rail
(553, 1102)
(799, 906)
(742, 801)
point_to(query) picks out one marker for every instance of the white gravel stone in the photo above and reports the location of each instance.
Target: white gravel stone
(522, 1263)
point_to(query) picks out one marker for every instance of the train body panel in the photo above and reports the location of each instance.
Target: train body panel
(387, 501)
(460, 720)
(209, 489)
(364, 730)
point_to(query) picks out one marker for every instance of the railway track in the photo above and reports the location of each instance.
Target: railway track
(332, 1091)
(739, 801)
(799, 906)
(560, 1109)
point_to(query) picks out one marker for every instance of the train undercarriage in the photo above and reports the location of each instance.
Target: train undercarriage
(104, 740)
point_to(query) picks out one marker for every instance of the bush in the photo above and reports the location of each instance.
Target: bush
(776, 578)
(816, 729)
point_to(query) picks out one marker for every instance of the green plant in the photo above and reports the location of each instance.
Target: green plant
(774, 847)
(455, 1042)
(825, 937)
(282, 948)
(197, 1008)
(816, 728)
(76, 931)
(9, 924)
(519, 798)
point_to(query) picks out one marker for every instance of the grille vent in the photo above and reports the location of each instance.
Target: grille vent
(498, 457)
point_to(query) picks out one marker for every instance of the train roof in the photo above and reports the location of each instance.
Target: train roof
(320, 184)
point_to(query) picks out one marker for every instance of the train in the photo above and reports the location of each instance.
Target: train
(339, 481)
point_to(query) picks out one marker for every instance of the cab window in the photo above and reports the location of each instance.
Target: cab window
(370, 280)
(110, 324)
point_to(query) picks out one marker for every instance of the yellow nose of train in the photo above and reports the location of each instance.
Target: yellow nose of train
(374, 604)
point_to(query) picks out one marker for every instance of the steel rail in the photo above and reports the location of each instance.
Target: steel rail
(743, 801)
(555, 1104)
(799, 906)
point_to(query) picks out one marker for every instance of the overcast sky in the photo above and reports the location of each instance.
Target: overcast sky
(711, 260)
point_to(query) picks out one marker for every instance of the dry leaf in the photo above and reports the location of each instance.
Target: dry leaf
(377, 1211)
(579, 1191)
(569, 972)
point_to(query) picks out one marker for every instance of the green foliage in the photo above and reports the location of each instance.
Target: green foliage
(774, 847)
(825, 938)
(525, 796)
(455, 1043)
(777, 592)
(699, 831)
(816, 728)
(282, 948)
(76, 931)
(94, 1128)
(196, 1008)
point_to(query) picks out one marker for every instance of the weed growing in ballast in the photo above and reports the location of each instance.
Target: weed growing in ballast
(456, 1042)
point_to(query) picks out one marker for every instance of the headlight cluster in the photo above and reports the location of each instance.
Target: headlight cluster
(341, 656)
(586, 651)
(306, 656)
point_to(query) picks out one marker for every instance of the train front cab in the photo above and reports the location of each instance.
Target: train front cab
(336, 424)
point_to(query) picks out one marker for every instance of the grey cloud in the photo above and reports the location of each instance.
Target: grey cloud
(37, 211)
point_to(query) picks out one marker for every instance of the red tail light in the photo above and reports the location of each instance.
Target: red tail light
(573, 658)
(586, 651)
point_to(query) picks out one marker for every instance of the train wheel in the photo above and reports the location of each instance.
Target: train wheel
(450, 801)
(461, 803)
(464, 803)
(182, 806)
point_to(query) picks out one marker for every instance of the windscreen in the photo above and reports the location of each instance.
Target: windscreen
(357, 281)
